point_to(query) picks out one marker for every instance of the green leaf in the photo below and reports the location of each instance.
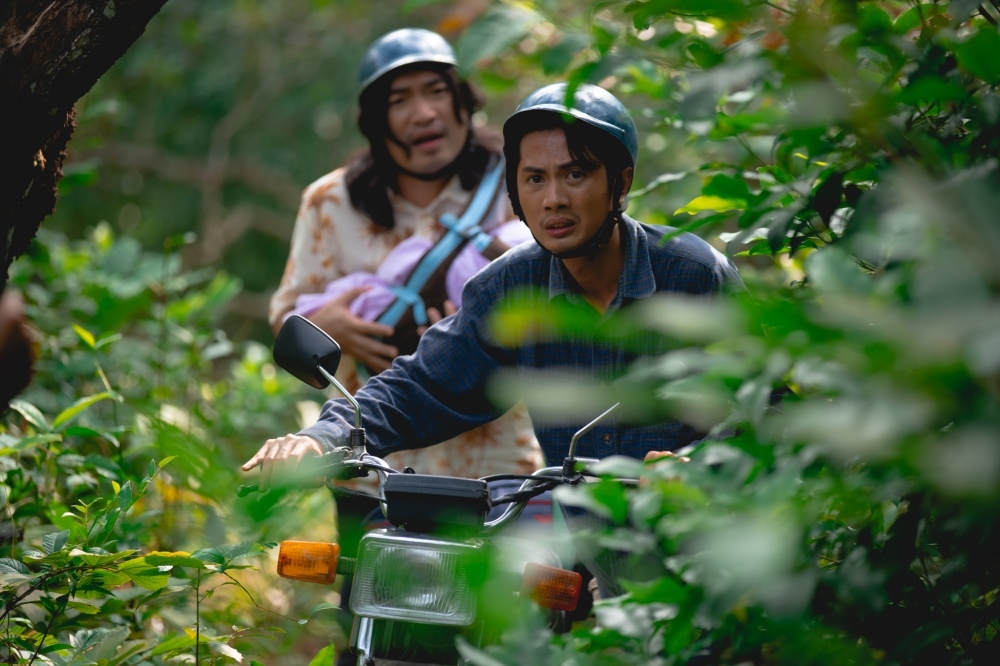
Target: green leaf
(727, 188)
(228, 552)
(874, 19)
(932, 89)
(31, 414)
(95, 645)
(82, 607)
(978, 54)
(324, 657)
(174, 560)
(913, 18)
(226, 651)
(833, 271)
(645, 12)
(209, 555)
(79, 406)
(10, 565)
(173, 644)
(703, 54)
(493, 33)
(150, 579)
(85, 335)
(54, 541)
(617, 466)
(661, 590)
(144, 574)
(125, 496)
(107, 579)
(99, 559)
(716, 204)
(108, 339)
(83, 431)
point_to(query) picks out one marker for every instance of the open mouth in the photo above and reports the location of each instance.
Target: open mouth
(559, 228)
(561, 223)
(428, 139)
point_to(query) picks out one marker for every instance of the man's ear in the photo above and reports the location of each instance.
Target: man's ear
(626, 184)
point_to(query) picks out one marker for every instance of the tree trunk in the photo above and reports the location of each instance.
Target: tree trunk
(51, 53)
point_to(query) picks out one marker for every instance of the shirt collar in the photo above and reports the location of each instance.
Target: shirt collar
(637, 279)
(449, 199)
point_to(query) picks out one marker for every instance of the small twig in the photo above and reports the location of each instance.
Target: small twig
(772, 5)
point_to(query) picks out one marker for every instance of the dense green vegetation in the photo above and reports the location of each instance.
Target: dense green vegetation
(844, 152)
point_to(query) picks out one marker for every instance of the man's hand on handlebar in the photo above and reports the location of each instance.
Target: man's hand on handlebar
(656, 455)
(652, 456)
(280, 459)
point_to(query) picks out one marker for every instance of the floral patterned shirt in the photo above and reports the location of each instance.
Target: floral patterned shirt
(332, 239)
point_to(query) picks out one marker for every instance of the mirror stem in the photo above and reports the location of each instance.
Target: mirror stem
(358, 439)
(344, 392)
(569, 464)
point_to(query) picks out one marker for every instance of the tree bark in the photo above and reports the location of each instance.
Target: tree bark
(51, 53)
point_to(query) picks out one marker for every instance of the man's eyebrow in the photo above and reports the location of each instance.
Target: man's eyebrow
(437, 80)
(572, 164)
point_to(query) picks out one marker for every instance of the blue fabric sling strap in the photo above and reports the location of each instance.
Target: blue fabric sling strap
(459, 230)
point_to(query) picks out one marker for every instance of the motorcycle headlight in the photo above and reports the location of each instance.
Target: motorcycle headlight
(417, 579)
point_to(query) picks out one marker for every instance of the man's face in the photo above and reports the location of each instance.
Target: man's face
(564, 202)
(422, 118)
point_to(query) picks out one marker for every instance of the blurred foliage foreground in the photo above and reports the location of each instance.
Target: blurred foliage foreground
(854, 523)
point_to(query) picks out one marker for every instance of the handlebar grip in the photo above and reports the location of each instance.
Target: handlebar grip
(325, 462)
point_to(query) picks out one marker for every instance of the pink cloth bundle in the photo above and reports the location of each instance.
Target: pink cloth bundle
(396, 268)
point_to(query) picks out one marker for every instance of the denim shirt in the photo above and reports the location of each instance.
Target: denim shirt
(444, 387)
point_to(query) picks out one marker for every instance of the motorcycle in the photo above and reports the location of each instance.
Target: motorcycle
(447, 558)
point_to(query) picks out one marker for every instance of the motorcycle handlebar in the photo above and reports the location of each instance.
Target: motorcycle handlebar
(327, 465)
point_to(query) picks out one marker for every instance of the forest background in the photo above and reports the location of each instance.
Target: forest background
(845, 153)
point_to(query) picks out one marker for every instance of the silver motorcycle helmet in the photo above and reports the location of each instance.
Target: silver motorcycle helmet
(400, 48)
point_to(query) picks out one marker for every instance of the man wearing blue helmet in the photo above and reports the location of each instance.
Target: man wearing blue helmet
(569, 167)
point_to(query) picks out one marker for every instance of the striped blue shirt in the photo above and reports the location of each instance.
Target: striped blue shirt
(444, 387)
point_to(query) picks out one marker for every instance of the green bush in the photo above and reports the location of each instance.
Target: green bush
(118, 465)
(847, 154)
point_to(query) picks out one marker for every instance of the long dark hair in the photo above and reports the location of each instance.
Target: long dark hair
(372, 170)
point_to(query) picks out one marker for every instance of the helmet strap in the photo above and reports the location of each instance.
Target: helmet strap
(437, 175)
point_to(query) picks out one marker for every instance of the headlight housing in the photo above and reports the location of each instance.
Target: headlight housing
(416, 578)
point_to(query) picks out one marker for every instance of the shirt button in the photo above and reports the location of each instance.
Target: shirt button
(607, 437)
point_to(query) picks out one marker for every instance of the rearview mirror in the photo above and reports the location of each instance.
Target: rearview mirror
(301, 348)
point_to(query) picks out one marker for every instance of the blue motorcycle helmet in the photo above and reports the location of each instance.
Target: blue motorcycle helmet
(595, 119)
(400, 48)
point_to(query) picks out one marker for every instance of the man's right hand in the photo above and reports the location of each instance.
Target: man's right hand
(356, 336)
(279, 460)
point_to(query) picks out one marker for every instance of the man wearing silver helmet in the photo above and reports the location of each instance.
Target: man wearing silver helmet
(425, 164)
(569, 168)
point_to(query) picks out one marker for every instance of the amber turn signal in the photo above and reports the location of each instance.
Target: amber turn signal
(310, 561)
(551, 587)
